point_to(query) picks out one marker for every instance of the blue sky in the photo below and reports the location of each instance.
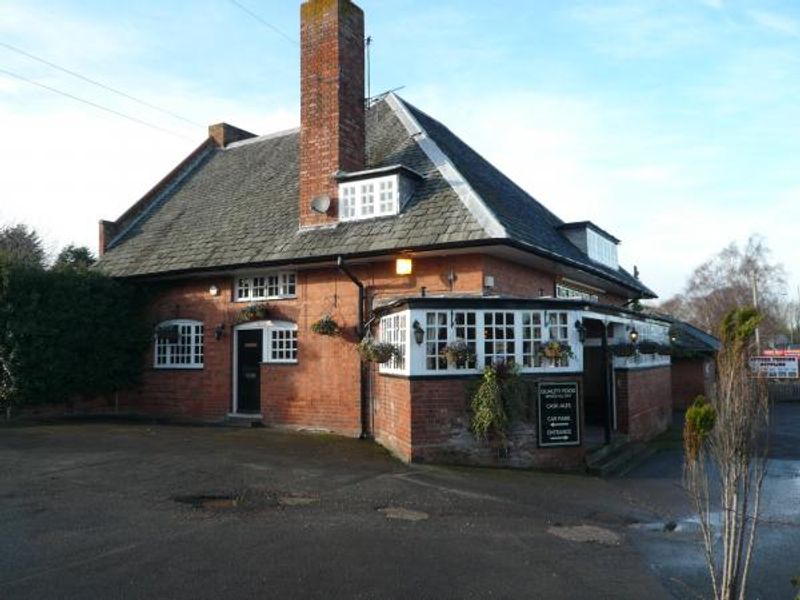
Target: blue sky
(675, 125)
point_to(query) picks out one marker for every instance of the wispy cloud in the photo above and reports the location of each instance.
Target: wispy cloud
(642, 29)
(775, 22)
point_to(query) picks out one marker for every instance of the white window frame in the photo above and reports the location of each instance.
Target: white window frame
(394, 329)
(601, 249)
(367, 198)
(417, 355)
(195, 345)
(276, 285)
(283, 334)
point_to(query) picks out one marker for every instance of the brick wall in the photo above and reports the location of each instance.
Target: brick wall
(691, 377)
(644, 401)
(391, 413)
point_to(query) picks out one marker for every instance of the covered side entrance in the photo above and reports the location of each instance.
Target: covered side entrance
(598, 399)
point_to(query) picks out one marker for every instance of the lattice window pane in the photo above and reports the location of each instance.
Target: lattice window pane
(435, 340)
(367, 199)
(499, 338)
(283, 345)
(465, 328)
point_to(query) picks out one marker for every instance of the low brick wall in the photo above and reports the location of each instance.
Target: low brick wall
(644, 401)
(427, 420)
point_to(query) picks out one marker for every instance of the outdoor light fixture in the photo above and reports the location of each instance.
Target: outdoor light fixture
(633, 335)
(581, 330)
(219, 331)
(673, 336)
(404, 266)
(213, 290)
(419, 333)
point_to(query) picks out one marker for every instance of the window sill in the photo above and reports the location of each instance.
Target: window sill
(268, 299)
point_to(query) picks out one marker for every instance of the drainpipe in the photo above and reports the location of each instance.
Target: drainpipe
(360, 328)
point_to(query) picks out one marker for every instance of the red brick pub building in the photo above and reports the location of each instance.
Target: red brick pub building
(377, 215)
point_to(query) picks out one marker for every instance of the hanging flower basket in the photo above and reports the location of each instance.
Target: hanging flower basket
(664, 350)
(623, 349)
(325, 326)
(557, 351)
(648, 347)
(458, 353)
(253, 312)
(377, 352)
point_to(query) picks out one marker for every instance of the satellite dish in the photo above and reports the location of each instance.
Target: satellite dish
(321, 204)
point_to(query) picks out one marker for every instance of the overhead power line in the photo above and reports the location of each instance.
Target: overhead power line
(265, 23)
(97, 83)
(93, 104)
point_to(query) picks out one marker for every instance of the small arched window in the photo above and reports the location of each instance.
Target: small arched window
(179, 345)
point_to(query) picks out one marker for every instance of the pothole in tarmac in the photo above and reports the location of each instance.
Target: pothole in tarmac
(586, 534)
(209, 502)
(250, 499)
(403, 514)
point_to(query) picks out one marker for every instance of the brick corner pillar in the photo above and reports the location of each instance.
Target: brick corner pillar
(332, 112)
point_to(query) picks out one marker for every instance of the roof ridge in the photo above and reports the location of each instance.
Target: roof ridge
(263, 138)
(461, 186)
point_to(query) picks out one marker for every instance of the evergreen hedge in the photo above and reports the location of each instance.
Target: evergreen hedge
(67, 334)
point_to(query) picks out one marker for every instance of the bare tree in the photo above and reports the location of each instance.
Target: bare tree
(726, 456)
(726, 282)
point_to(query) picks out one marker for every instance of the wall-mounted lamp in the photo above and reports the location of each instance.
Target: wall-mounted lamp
(673, 336)
(213, 290)
(419, 333)
(633, 335)
(581, 328)
(404, 266)
(219, 331)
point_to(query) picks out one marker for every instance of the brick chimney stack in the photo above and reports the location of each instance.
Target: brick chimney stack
(332, 134)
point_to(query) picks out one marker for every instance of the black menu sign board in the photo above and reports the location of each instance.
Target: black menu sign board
(559, 415)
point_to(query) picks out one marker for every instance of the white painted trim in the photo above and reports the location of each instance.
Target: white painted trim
(193, 366)
(265, 327)
(252, 275)
(474, 203)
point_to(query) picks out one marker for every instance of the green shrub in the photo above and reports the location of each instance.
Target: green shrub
(68, 333)
(699, 422)
(501, 398)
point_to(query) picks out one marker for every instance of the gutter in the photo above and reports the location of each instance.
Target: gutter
(365, 403)
(322, 258)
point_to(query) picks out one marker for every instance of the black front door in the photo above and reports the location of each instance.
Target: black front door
(249, 356)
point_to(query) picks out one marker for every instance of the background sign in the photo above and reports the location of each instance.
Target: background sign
(775, 367)
(559, 414)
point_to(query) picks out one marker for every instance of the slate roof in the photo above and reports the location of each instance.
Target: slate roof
(691, 340)
(237, 206)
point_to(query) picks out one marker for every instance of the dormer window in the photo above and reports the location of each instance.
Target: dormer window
(598, 244)
(602, 249)
(375, 193)
(368, 198)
